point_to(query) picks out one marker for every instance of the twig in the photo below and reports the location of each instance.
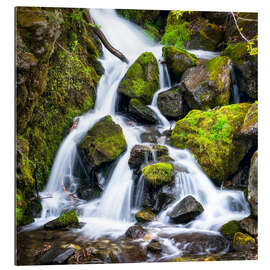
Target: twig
(239, 28)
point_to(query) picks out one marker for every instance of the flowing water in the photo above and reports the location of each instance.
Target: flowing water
(112, 213)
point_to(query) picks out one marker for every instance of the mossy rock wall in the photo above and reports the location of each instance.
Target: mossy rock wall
(213, 137)
(57, 75)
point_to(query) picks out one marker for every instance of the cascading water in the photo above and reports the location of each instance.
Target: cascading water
(112, 214)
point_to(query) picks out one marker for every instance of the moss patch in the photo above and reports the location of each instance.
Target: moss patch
(158, 174)
(230, 228)
(145, 215)
(212, 137)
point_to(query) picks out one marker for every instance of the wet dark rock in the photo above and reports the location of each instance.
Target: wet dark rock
(154, 246)
(240, 179)
(199, 243)
(142, 154)
(170, 103)
(141, 112)
(135, 232)
(132, 254)
(249, 225)
(55, 256)
(253, 184)
(163, 200)
(186, 210)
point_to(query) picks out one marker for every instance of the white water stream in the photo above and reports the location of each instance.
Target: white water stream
(111, 214)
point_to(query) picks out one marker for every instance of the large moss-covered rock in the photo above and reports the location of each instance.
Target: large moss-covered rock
(243, 242)
(207, 86)
(142, 79)
(230, 228)
(104, 142)
(141, 112)
(253, 184)
(213, 137)
(186, 210)
(158, 174)
(68, 219)
(171, 103)
(57, 74)
(246, 67)
(250, 125)
(178, 60)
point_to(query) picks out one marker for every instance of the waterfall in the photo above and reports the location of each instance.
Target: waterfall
(112, 213)
(234, 86)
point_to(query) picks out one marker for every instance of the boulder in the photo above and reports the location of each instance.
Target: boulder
(243, 242)
(249, 225)
(170, 103)
(178, 60)
(186, 210)
(141, 112)
(213, 138)
(68, 219)
(145, 215)
(208, 85)
(55, 256)
(135, 232)
(250, 125)
(158, 174)
(198, 243)
(140, 154)
(246, 67)
(104, 142)
(230, 228)
(253, 184)
(141, 80)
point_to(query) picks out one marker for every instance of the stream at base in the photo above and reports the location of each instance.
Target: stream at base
(109, 216)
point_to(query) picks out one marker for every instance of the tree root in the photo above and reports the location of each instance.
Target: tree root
(102, 37)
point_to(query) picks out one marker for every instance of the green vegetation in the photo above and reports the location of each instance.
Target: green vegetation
(211, 137)
(158, 174)
(145, 215)
(230, 228)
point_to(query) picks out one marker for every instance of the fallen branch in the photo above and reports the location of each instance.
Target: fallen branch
(102, 37)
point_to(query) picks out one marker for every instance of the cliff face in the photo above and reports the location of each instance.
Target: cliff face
(57, 73)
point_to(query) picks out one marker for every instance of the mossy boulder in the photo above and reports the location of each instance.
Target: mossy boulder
(142, 79)
(158, 174)
(213, 138)
(104, 142)
(171, 103)
(250, 125)
(68, 219)
(186, 210)
(253, 184)
(230, 228)
(141, 112)
(246, 67)
(178, 60)
(243, 242)
(145, 215)
(207, 86)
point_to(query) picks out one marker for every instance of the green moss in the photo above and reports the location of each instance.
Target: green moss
(69, 218)
(145, 215)
(251, 117)
(237, 52)
(211, 137)
(230, 228)
(158, 174)
(104, 142)
(243, 242)
(142, 78)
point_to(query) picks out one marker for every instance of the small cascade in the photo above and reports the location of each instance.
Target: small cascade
(234, 87)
